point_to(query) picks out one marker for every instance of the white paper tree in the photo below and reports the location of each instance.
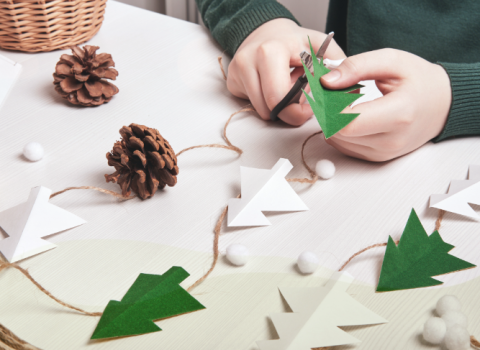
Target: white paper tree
(28, 222)
(317, 313)
(263, 190)
(460, 194)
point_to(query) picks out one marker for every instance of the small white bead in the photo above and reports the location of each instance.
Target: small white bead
(325, 169)
(33, 151)
(455, 317)
(237, 254)
(457, 338)
(448, 303)
(434, 330)
(307, 262)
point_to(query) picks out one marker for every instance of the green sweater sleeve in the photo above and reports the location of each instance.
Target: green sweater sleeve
(231, 21)
(464, 116)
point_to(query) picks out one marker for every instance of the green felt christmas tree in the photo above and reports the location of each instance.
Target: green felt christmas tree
(151, 297)
(416, 259)
(327, 105)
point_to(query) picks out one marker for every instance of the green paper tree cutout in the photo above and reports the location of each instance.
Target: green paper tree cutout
(327, 105)
(416, 259)
(151, 297)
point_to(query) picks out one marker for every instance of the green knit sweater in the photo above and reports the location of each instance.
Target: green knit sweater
(441, 31)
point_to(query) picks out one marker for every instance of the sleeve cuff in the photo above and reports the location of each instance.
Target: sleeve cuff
(464, 116)
(246, 21)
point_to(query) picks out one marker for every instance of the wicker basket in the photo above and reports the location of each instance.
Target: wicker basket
(46, 25)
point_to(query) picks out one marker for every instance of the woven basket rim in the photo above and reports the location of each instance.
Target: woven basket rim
(46, 25)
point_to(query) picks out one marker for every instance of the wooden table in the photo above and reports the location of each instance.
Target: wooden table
(170, 80)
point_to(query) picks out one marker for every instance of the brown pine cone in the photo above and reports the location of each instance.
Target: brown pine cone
(143, 160)
(78, 78)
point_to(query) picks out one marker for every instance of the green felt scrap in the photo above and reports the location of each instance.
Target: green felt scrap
(416, 258)
(151, 297)
(327, 105)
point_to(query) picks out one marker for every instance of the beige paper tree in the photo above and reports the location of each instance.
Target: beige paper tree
(317, 314)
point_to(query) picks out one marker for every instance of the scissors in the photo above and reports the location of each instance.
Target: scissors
(295, 92)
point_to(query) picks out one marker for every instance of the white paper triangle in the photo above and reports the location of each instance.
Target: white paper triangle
(460, 194)
(28, 222)
(263, 190)
(317, 313)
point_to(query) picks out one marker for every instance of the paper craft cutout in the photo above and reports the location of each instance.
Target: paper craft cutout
(263, 190)
(28, 222)
(151, 297)
(317, 313)
(327, 105)
(460, 194)
(9, 72)
(416, 259)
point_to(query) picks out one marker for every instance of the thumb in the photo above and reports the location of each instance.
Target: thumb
(372, 65)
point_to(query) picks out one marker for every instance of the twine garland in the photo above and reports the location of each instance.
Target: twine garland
(9, 339)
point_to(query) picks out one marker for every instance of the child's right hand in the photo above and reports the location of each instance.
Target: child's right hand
(260, 69)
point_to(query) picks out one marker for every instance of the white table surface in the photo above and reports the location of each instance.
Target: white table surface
(169, 79)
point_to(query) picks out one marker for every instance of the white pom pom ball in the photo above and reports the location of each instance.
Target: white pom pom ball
(455, 317)
(434, 330)
(325, 169)
(448, 303)
(307, 262)
(33, 151)
(457, 338)
(237, 254)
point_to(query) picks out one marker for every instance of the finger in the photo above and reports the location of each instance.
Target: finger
(296, 114)
(273, 65)
(254, 92)
(334, 52)
(376, 65)
(378, 116)
(296, 73)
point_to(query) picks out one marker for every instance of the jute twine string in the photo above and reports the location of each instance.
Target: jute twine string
(229, 145)
(474, 343)
(5, 264)
(99, 189)
(9, 339)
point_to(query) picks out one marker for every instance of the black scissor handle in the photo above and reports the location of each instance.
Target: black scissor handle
(293, 96)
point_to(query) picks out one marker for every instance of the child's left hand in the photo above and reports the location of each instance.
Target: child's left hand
(413, 110)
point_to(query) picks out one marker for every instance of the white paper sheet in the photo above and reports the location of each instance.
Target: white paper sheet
(263, 190)
(460, 194)
(9, 71)
(28, 222)
(317, 313)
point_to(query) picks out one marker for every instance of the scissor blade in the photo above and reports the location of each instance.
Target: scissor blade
(321, 51)
(307, 58)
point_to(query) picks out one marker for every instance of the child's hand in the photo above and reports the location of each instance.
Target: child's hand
(413, 111)
(260, 69)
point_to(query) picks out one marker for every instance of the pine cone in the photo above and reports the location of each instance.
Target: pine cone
(143, 160)
(78, 78)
